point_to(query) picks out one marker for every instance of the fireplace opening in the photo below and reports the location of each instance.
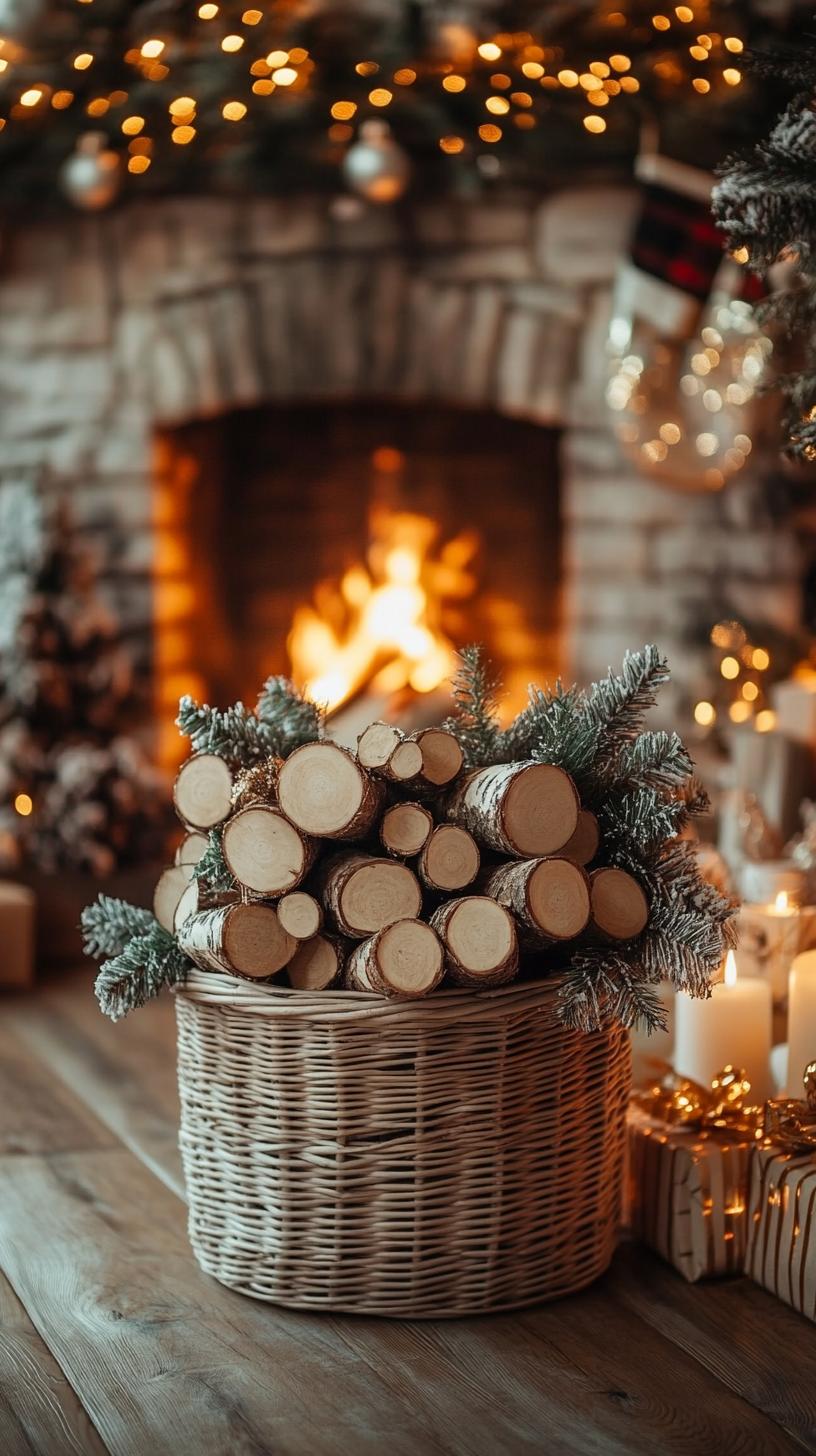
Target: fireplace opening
(353, 546)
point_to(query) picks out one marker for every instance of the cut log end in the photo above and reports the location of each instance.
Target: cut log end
(450, 859)
(376, 744)
(480, 939)
(405, 829)
(405, 762)
(324, 791)
(558, 898)
(620, 909)
(300, 915)
(202, 793)
(442, 757)
(363, 895)
(265, 853)
(169, 889)
(192, 847)
(539, 812)
(404, 960)
(255, 943)
(585, 842)
(316, 965)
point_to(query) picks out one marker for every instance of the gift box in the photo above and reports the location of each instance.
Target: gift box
(781, 1252)
(688, 1194)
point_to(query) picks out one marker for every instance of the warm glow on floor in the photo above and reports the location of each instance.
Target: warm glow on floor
(378, 627)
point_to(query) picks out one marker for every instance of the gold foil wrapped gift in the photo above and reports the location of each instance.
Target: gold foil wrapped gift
(781, 1253)
(689, 1154)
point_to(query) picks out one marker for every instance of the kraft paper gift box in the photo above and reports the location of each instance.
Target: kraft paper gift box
(781, 1253)
(688, 1191)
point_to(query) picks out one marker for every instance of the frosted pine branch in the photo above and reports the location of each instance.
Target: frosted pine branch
(109, 924)
(475, 722)
(290, 718)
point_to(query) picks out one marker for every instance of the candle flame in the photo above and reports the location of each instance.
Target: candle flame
(781, 902)
(730, 976)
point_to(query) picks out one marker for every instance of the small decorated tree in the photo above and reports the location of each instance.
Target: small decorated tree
(75, 789)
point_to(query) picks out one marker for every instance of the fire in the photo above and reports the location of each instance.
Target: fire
(379, 626)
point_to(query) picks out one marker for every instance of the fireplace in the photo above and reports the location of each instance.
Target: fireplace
(354, 546)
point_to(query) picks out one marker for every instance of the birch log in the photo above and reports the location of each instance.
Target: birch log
(169, 889)
(528, 808)
(192, 847)
(324, 791)
(265, 852)
(480, 939)
(619, 908)
(317, 964)
(442, 757)
(403, 960)
(585, 842)
(202, 792)
(376, 743)
(300, 914)
(362, 895)
(548, 897)
(405, 829)
(450, 860)
(241, 940)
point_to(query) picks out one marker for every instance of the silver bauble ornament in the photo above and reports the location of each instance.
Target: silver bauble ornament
(18, 17)
(375, 167)
(91, 176)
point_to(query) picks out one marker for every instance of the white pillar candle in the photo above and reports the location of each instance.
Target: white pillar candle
(649, 1048)
(770, 936)
(801, 1020)
(733, 1026)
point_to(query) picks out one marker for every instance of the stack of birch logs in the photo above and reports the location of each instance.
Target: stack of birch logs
(389, 869)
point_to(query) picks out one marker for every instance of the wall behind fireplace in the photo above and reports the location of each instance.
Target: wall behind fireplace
(165, 313)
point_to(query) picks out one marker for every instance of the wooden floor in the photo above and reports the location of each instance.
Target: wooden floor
(112, 1340)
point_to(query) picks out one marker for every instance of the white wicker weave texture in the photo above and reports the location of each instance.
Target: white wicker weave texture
(413, 1159)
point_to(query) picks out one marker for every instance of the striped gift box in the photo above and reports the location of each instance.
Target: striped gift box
(688, 1193)
(781, 1252)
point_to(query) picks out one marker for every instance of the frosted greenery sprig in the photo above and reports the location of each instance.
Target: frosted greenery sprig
(283, 720)
(212, 869)
(143, 957)
(475, 692)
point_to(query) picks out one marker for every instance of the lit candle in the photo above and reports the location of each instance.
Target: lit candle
(734, 1027)
(770, 936)
(801, 1019)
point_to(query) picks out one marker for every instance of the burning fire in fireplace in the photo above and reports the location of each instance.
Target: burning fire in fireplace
(379, 628)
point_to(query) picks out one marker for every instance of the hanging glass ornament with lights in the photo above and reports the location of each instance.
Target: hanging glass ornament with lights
(91, 176)
(375, 166)
(687, 356)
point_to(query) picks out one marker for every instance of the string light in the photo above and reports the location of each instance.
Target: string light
(277, 58)
(452, 144)
(152, 49)
(380, 96)
(284, 76)
(31, 97)
(83, 61)
(490, 133)
(232, 43)
(207, 12)
(489, 51)
(233, 110)
(454, 83)
(343, 110)
(181, 135)
(23, 804)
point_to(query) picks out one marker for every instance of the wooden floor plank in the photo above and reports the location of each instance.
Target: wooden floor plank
(756, 1345)
(39, 1413)
(125, 1072)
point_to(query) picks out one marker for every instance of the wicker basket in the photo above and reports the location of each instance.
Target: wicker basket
(433, 1158)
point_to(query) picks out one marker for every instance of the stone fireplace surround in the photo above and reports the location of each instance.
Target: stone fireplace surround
(169, 311)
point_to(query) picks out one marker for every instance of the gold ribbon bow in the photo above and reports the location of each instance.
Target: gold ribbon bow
(791, 1121)
(723, 1107)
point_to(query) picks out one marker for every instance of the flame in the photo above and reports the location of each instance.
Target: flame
(378, 627)
(730, 975)
(781, 902)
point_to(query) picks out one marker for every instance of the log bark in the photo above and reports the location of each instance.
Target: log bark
(442, 757)
(402, 961)
(240, 940)
(300, 914)
(202, 793)
(169, 889)
(376, 743)
(585, 842)
(189, 904)
(480, 939)
(405, 829)
(527, 809)
(324, 791)
(549, 898)
(619, 907)
(450, 860)
(265, 852)
(362, 895)
(317, 964)
(192, 847)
